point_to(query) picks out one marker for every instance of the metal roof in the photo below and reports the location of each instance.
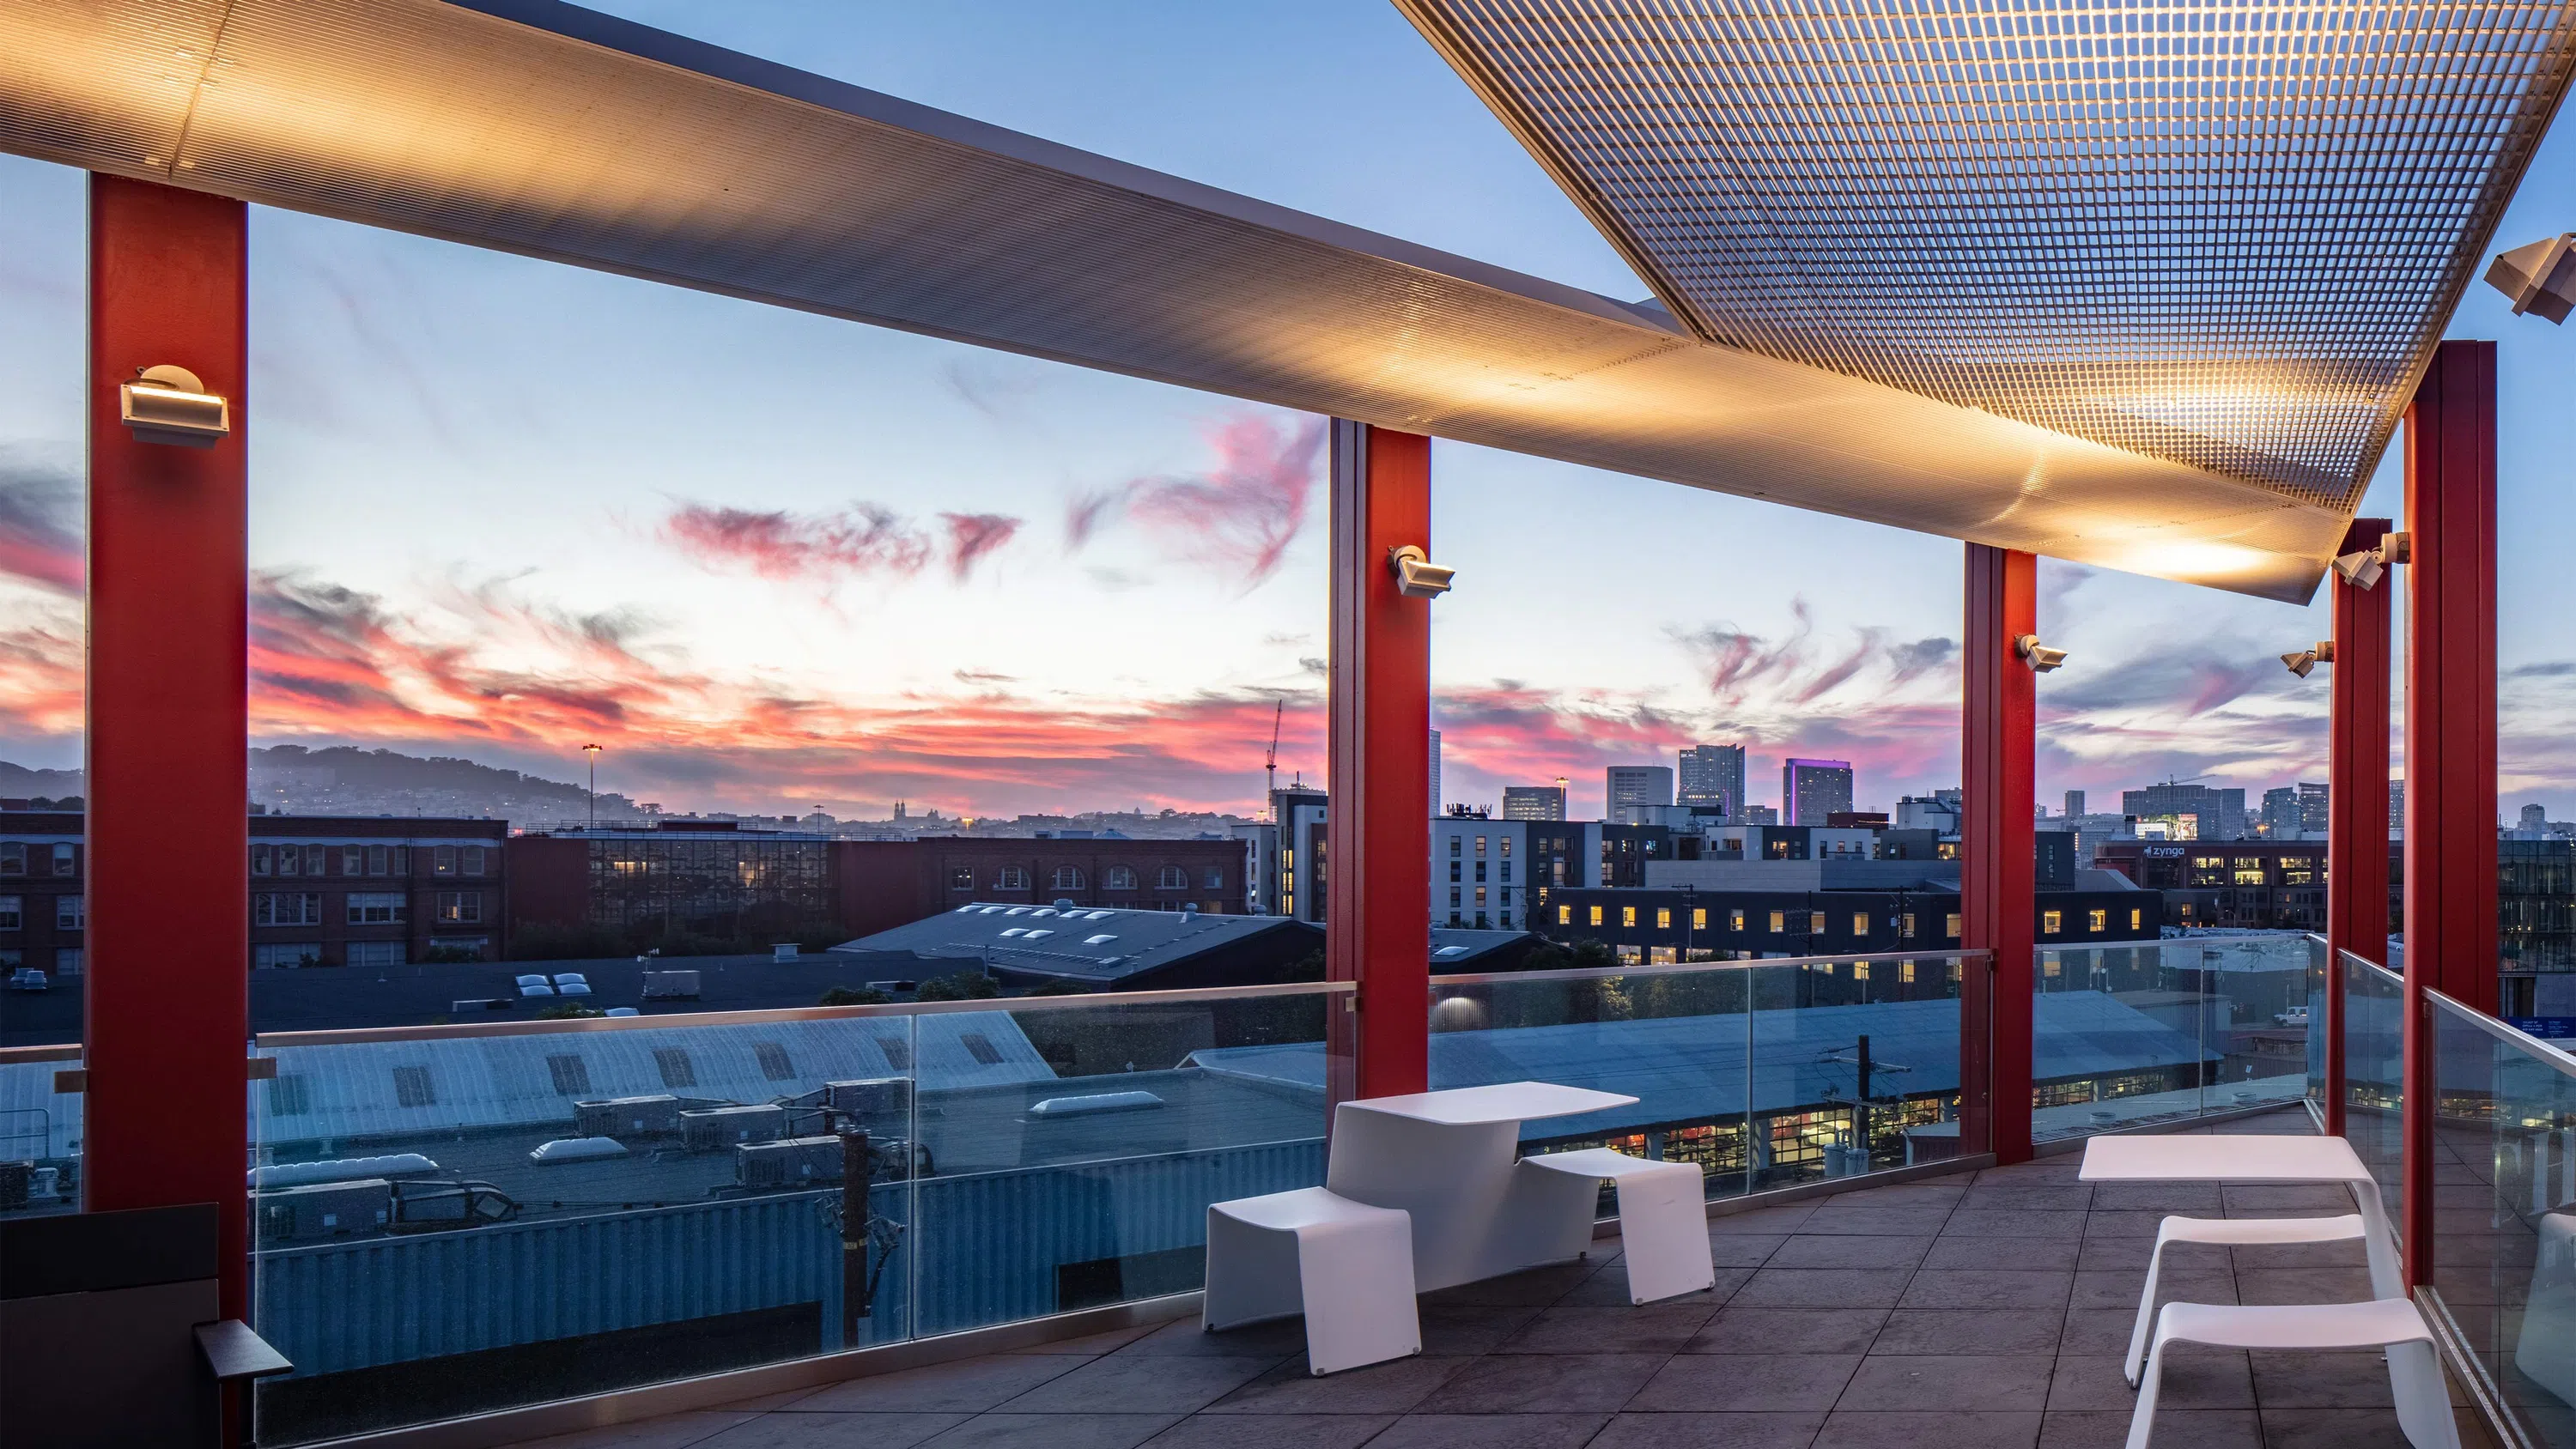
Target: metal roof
(535, 127)
(2226, 234)
(1085, 943)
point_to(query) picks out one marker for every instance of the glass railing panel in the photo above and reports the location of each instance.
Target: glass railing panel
(1856, 1065)
(2157, 1031)
(2374, 1073)
(454, 1221)
(1764, 1073)
(1081, 1175)
(2504, 1203)
(2318, 984)
(40, 1130)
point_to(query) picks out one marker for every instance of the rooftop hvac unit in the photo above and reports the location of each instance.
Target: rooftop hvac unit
(627, 1117)
(325, 1210)
(670, 986)
(791, 1162)
(723, 1127)
(871, 1097)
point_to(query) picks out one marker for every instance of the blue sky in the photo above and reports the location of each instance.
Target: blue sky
(501, 507)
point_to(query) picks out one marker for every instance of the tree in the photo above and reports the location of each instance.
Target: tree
(851, 996)
(963, 986)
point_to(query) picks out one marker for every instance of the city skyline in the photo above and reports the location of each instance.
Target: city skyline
(993, 585)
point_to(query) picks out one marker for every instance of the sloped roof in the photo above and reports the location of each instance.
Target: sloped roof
(1087, 943)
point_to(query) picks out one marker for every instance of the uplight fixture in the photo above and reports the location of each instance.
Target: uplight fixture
(2038, 656)
(169, 404)
(1416, 576)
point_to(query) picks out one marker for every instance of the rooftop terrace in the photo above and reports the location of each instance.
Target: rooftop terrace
(1986, 1310)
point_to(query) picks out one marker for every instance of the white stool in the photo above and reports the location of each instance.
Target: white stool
(2414, 1376)
(2232, 1232)
(1345, 1265)
(1663, 1218)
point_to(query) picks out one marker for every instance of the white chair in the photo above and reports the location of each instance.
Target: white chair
(1345, 1265)
(2414, 1376)
(1663, 1218)
(2230, 1232)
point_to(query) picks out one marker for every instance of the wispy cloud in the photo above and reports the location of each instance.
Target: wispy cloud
(973, 536)
(1240, 516)
(40, 540)
(864, 540)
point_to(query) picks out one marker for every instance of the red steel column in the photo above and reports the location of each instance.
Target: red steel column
(2450, 731)
(1997, 739)
(2356, 794)
(169, 909)
(1378, 834)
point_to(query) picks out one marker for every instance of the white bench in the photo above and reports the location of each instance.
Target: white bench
(1663, 1218)
(2229, 1232)
(2414, 1376)
(1347, 1266)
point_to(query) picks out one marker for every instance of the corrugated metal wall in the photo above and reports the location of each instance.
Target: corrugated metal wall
(985, 1252)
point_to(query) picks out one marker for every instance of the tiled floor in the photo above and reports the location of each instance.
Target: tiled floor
(1984, 1312)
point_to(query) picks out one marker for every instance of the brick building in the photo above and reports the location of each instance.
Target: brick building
(717, 879)
(325, 890)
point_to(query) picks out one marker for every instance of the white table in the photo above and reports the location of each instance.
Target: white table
(2249, 1159)
(1452, 1160)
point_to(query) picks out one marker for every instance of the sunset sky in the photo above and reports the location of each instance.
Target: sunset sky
(770, 560)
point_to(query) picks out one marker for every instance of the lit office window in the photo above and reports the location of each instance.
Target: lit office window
(1663, 918)
(1779, 922)
(2099, 921)
(2051, 922)
(1596, 915)
(1627, 915)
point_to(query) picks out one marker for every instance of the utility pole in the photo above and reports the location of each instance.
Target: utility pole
(593, 752)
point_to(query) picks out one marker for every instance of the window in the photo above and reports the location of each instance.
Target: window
(460, 907)
(412, 1089)
(263, 859)
(378, 908)
(71, 913)
(67, 961)
(981, 1048)
(2099, 921)
(1457, 843)
(353, 860)
(1506, 844)
(1699, 918)
(290, 860)
(1507, 870)
(1905, 927)
(897, 1052)
(376, 953)
(2134, 915)
(1456, 871)
(290, 1094)
(287, 956)
(11, 913)
(1663, 918)
(402, 860)
(1564, 915)
(286, 908)
(1779, 922)
(961, 877)
(1951, 927)
(1815, 923)
(1735, 921)
(1012, 878)
(1480, 845)
(1171, 878)
(1596, 915)
(2051, 922)
(1905, 972)
(1454, 897)
(1066, 878)
(1860, 971)
(443, 861)
(1480, 900)
(378, 858)
(1860, 923)
(676, 1068)
(1480, 870)
(774, 1064)
(1118, 878)
(63, 863)
(471, 860)
(571, 1074)
(1215, 878)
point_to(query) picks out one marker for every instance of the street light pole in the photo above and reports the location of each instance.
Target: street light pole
(593, 752)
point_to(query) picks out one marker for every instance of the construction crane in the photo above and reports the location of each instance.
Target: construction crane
(1271, 765)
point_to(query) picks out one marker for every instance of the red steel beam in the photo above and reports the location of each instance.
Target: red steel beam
(2450, 733)
(2356, 794)
(167, 981)
(1997, 739)
(1377, 854)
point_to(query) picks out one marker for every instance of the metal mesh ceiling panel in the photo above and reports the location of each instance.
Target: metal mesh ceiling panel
(2223, 233)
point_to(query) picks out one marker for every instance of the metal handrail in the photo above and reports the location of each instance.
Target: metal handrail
(2555, 1056)
(556, 1025)
(1601, 973)
(2355, 958)
(70, 1052)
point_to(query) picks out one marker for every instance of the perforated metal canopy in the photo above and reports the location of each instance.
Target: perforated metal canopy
(2224, 232)
(536, 127)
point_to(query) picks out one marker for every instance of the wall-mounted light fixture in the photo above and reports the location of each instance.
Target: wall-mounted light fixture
(1416, 576)
(2038, 656)
(2363, 567)
(2304, 660)
(168, 404)
(2539, 278)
